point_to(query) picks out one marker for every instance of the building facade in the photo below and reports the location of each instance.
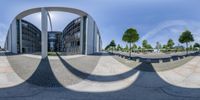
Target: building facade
(31, 38)
(81, 36)
(54, 41)
(28, 42)
(71, 37)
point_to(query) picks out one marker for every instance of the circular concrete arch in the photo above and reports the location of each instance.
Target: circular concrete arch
(90, 36)
(61, 9)
(44, 13)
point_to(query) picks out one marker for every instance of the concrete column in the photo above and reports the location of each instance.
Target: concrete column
(20, 35)
(44, 26)
(14, 36)
(86, 36)
(81, 35)
(97, 43)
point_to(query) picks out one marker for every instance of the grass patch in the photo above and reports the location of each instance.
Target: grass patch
(53, 53)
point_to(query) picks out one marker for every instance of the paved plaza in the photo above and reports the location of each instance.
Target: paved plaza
(97, 77)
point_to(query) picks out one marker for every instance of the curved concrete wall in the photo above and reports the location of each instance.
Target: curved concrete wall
(92, 38)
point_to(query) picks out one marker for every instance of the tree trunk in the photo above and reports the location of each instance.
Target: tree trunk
(112, 50)
(186, 48)
(130, 51)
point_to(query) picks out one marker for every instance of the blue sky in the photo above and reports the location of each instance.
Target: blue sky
(155, 20)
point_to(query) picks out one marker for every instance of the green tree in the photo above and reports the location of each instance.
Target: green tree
(144, 44)
(149, 46)
(139, 49)
(164, 47)
(130, 36)
(191, 48)
(196, 46)
(126, 48)
(134, 47)
(119, 47)
(112, 45)
(170, 43)
(186, 37)
(107, 47)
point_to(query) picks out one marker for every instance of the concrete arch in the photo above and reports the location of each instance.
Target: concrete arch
(90, 36)
(61, 9)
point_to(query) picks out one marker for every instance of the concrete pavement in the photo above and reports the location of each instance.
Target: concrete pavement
(94, 77)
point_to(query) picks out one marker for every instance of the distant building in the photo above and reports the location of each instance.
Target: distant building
(54, 41)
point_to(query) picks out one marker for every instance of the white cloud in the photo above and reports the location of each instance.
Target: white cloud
(163, 26)
(172, 29)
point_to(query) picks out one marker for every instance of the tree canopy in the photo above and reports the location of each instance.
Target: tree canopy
(196, 45)
(130, 36)
(144, 43)
(170, 43)
(119, 47)
(126, 48)
(134, 46)
(112, 43)
(186, 37)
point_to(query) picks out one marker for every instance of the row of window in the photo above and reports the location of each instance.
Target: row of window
(72, 44)
(31, 38)
(72, 50)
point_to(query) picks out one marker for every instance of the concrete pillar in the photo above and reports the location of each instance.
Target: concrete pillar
(20, 35)
(86, 36)
(44, 26)
(81, 35)
(13, 31)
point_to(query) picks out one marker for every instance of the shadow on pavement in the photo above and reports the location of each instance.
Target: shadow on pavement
(98, 78)
(43, 75)
(148, 85)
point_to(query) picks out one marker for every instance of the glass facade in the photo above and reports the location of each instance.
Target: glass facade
(31, 38)
(71, 37)
(54, 41)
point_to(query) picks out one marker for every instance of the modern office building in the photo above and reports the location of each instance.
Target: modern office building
(71, 37)
(80, 36)
(30, 38)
